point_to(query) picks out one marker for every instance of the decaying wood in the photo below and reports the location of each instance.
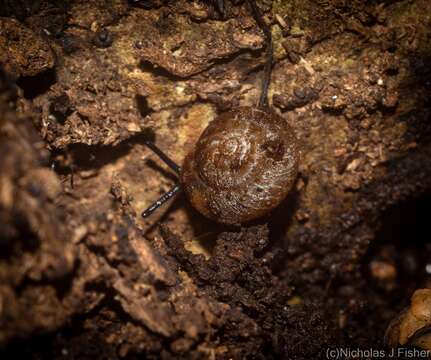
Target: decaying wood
(84, 83)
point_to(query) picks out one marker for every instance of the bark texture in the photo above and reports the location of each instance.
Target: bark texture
(84, 83)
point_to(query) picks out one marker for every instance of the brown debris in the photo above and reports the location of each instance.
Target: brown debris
(34, 242)
(82, 269)
(196, 47)
(22, 52)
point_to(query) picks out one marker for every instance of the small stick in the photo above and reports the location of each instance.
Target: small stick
(165, 197)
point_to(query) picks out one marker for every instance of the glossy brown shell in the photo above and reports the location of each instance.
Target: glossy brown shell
(243, 166)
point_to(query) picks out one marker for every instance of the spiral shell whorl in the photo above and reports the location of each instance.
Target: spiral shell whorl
(243, 166)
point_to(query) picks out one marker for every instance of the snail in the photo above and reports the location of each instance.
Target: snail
(244, 163)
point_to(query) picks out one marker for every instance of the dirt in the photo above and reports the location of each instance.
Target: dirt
(83, 85)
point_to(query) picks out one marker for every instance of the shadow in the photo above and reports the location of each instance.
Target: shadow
(39, 84)
(205, 231)
(20, 9)
(27, 348)
(148, 4)
(416, 91)
(166, 173)
(159, 71)
(404, 241)
(142, 105)
(23, 241)
(88, 157)
(69, 341)
(278, 223)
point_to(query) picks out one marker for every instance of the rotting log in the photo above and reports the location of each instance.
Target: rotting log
(82, 275)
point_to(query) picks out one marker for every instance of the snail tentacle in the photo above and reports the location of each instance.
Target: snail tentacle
(263, 100)
(175, 190)
(166, 159)
(164, 198)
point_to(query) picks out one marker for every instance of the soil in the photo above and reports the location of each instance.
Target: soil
(84, 84)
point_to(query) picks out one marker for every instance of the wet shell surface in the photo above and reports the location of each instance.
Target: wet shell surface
(243, 166)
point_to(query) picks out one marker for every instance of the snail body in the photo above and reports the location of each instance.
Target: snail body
(243, 166)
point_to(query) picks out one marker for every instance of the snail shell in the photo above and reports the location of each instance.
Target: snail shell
(413, 325)
(243, 166)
